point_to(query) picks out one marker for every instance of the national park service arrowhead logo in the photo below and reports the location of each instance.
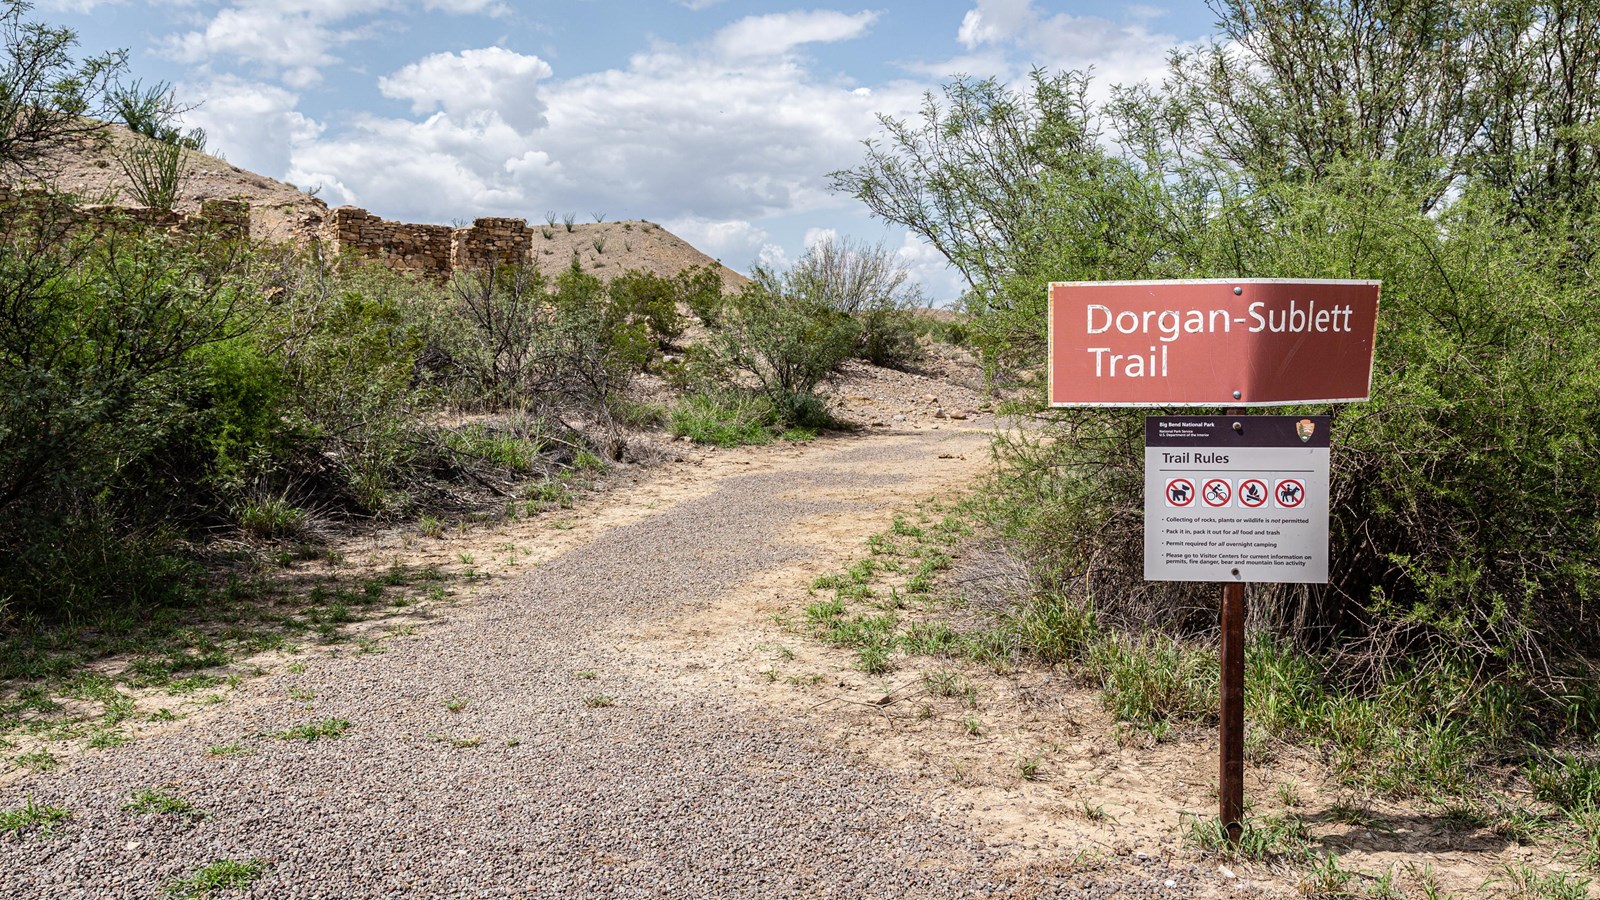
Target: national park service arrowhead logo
(1305, 428)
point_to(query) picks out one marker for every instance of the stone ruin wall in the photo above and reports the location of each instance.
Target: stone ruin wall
(433, 250)
(225, 218)
(427, 249)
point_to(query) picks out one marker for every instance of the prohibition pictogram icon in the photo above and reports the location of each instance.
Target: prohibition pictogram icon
(1180, 492)
(1290, 493)
(1252, 493)
(1217, 492)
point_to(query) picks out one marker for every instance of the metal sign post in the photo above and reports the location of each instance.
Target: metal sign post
(1230, 724)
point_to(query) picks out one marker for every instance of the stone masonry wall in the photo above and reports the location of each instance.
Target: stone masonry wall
(491, 240)
(432, 249)
(224, 218)
(412, 248)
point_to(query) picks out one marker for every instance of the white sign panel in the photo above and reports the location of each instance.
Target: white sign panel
(1236, 498)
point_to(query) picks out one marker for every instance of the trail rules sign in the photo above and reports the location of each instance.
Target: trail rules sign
(1236, 498)
(1243, 342)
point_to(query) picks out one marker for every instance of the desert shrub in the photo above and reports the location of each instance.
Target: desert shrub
(97, 353)
(604, 343)
(350, 345)
(494, 344)
(700, 289)
(651, 299)
(98, 369)
(866, 283)
(785, 343)
(242, 393)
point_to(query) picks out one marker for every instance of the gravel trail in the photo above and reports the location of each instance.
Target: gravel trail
(508, 750)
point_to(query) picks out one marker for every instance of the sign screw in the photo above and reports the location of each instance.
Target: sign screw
(1238, 427)
(1238, 290)
(1236, 573)
(1237, 394)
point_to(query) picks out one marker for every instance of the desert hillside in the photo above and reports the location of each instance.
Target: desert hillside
(280, 211)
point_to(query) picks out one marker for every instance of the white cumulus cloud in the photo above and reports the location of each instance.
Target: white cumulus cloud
(734, 241)
(681, 134)
(77, 6)
(778, 33)
(469, 7)
(295, 39)
(257, 125)
(493, 80)
(1119, 52)
(815, 236)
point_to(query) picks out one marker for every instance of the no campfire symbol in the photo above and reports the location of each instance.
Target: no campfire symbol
(1252, 493)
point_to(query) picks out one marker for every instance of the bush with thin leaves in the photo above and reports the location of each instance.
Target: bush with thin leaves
(786, 343)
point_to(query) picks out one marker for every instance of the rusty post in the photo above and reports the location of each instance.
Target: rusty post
(1230, 783)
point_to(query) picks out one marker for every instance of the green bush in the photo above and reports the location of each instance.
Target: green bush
(700, 289)
(866, 283)
(651, 299)
(785, 344)
(519, 339)
(243, 395)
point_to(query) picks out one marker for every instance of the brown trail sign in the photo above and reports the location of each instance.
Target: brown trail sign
(1237, 498)
(1249, 342)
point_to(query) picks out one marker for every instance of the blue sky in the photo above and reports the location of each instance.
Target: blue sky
(719, 119)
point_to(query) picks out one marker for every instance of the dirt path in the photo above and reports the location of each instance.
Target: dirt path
(623, 702)
(558, 735)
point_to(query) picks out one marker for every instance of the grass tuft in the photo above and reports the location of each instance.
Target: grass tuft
(33, 817)
(724, 419)
(159, 802)
(1266, 838)
(218, 875)
(315, 731)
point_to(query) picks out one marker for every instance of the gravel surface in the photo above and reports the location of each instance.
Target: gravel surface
(562, 771)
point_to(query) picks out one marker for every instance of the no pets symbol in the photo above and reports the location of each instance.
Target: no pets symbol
(1180, 492)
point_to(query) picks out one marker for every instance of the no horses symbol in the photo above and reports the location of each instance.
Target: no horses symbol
(1290, 493)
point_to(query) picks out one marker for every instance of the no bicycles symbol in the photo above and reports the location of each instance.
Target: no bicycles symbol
(1252, 493)
(1180, 492)
(1290, 493)
(1217, 492)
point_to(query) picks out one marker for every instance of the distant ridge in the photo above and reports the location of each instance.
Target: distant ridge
(282, 212)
